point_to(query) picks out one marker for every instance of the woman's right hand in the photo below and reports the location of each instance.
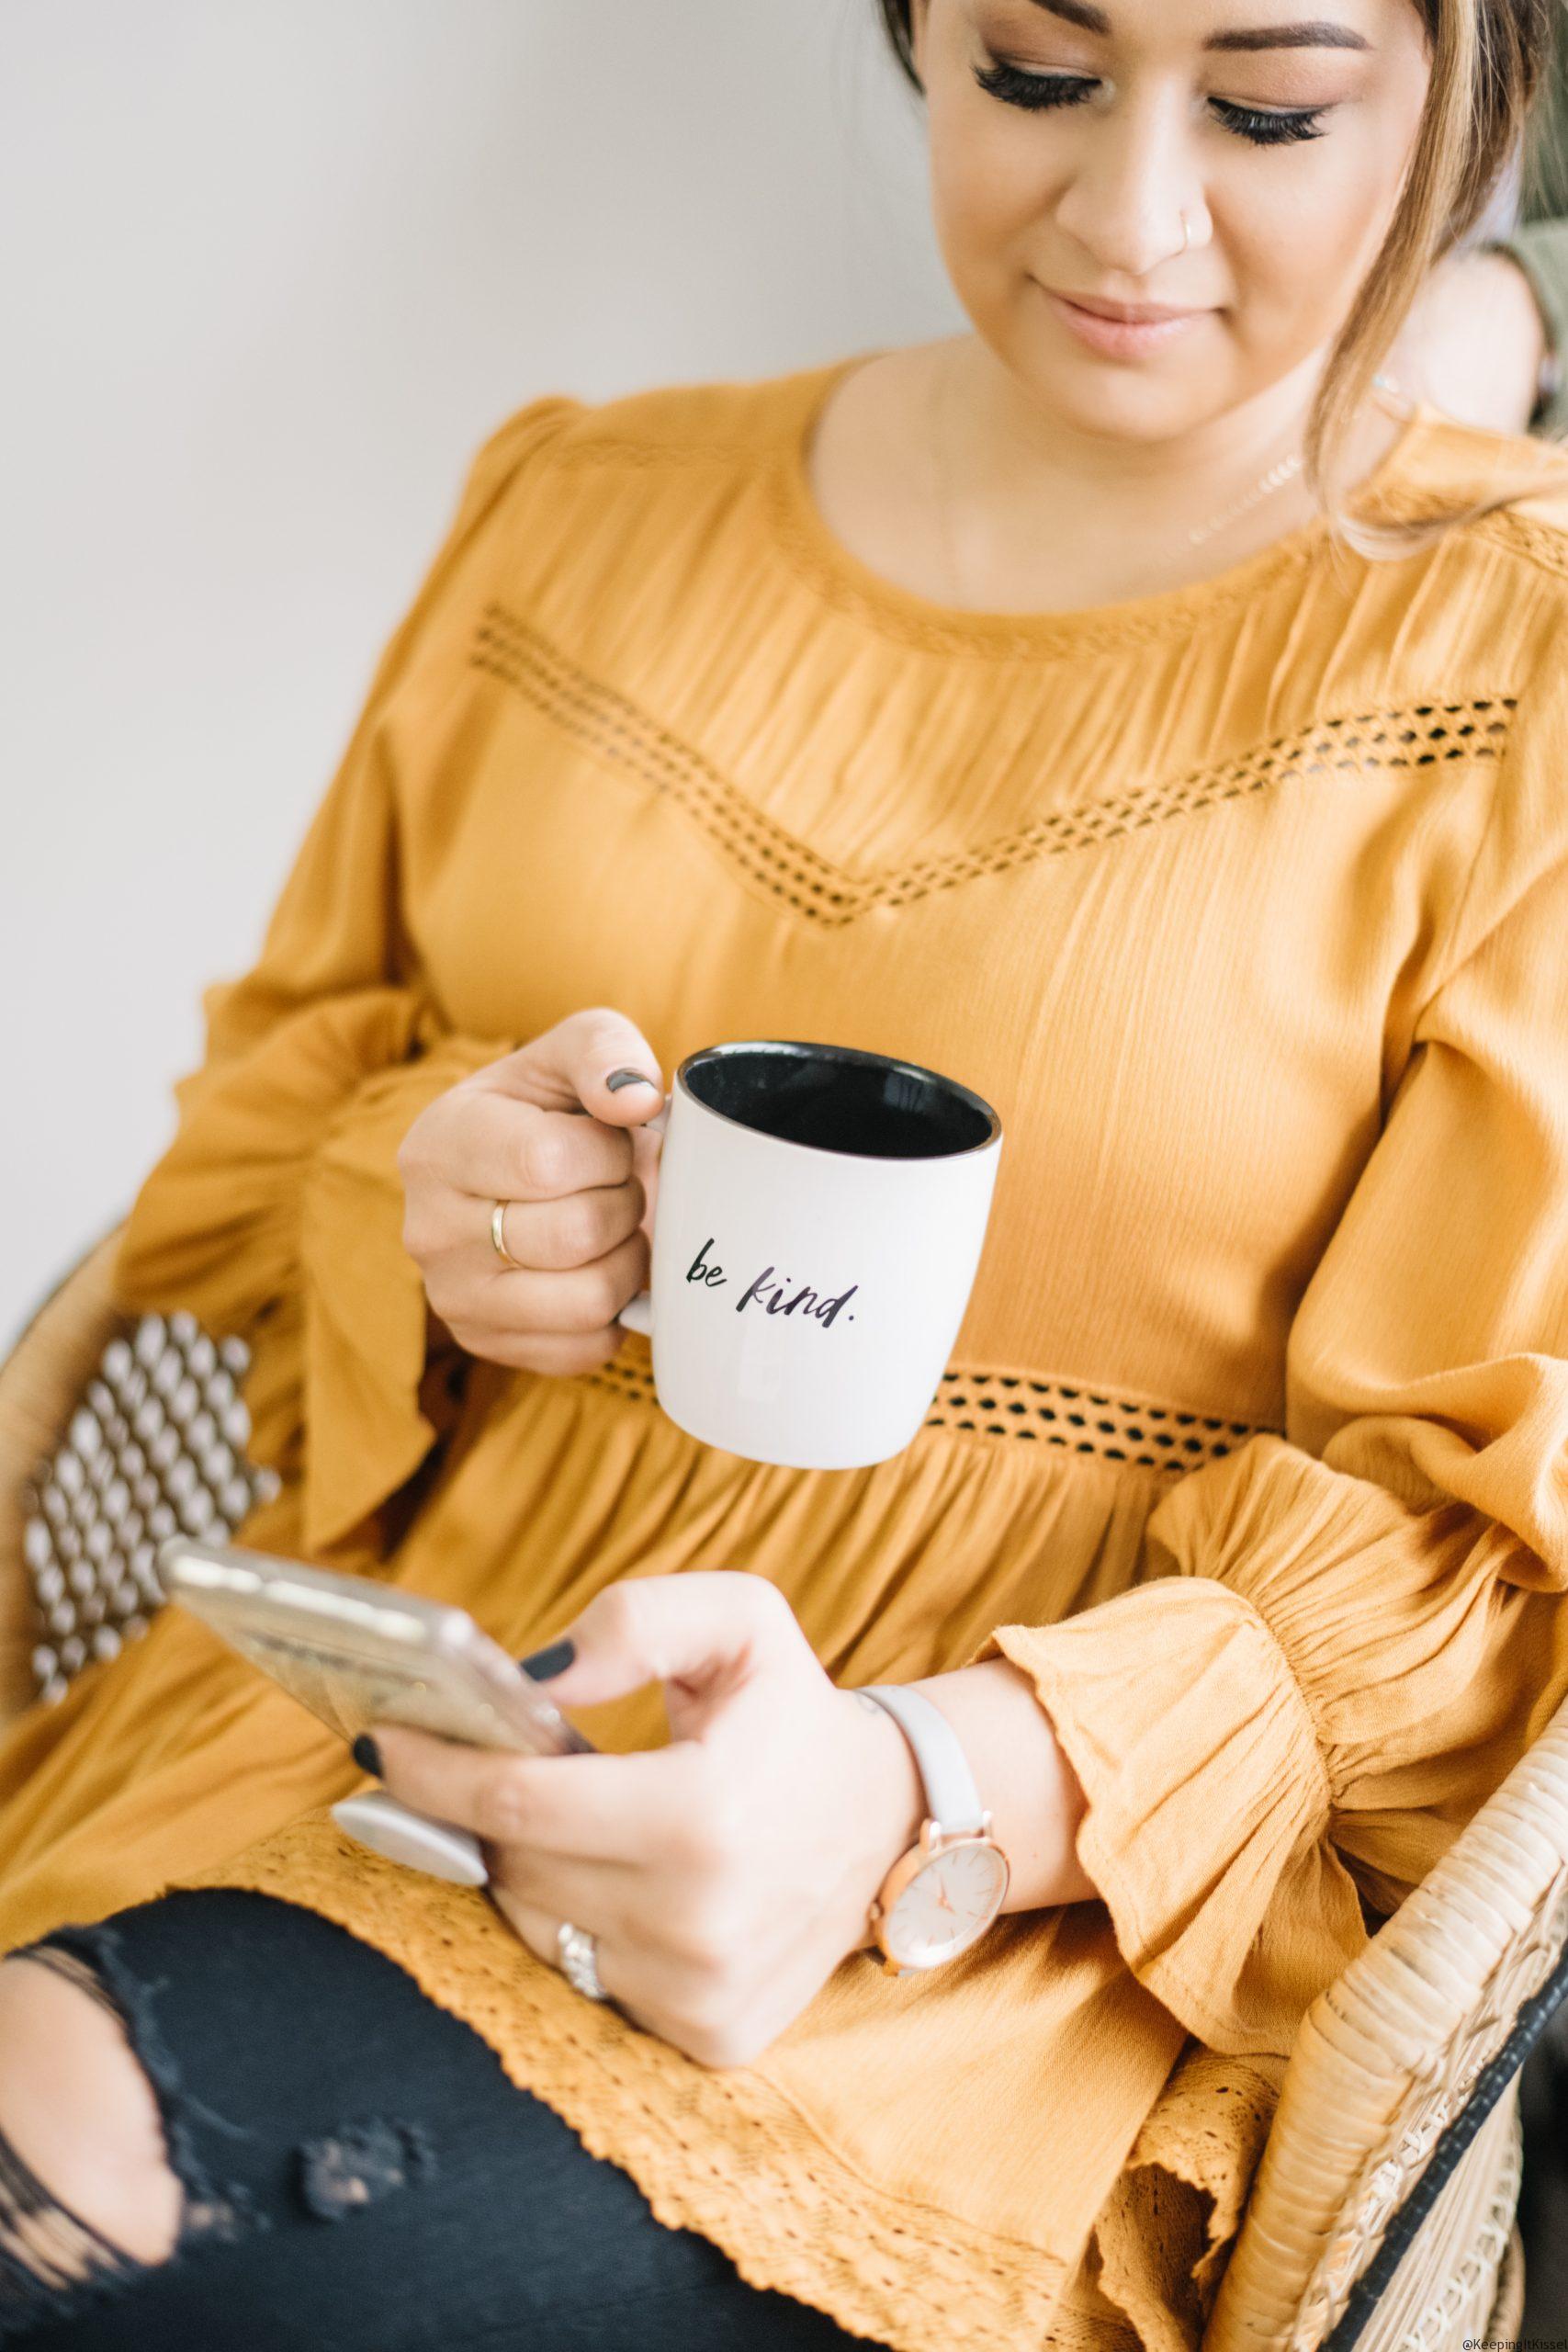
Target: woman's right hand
(581, 1191)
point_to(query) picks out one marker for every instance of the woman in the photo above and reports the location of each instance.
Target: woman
(1010, 704)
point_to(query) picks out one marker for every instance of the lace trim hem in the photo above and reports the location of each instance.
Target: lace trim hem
(787, 2211)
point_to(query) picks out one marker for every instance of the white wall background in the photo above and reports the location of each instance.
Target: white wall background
(271, 269)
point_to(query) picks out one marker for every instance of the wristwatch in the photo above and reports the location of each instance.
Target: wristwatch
(944, 1892)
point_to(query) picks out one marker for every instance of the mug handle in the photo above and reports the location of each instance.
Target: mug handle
(637, 1314)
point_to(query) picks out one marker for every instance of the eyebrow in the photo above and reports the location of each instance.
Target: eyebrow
(1318, 34)
(1315, 34)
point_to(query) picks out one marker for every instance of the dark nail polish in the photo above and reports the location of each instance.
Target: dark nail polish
(555, 1660)
(367, 1755)
(619, 1077)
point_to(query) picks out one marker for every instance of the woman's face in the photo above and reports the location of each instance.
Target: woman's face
(1067, 139)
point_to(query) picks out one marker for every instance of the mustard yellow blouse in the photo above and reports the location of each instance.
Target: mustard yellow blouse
(1247, 904)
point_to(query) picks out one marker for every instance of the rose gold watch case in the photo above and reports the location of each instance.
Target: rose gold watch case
(931, 1841)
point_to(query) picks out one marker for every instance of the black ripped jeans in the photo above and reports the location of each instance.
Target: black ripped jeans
(359, 2175)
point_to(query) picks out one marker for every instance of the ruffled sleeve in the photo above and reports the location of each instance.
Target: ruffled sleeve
(275, 1213)
(1341, 1640)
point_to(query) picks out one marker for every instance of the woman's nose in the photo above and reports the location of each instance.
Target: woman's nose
(1134, 181)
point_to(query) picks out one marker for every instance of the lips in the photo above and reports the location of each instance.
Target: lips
(1104, 329)
(1129, 313)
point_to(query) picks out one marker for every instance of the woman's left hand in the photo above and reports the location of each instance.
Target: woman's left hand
(724, 1875)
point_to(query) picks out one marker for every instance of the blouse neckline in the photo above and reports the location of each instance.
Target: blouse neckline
(844, 580)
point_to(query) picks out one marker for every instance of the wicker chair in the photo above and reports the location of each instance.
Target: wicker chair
(1383, 2211)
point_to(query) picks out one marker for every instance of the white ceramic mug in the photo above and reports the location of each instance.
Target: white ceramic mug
(818, 1223)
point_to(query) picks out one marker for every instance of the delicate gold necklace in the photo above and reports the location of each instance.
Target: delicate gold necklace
(1284, 470)
(1275, 479)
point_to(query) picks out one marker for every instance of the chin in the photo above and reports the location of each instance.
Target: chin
(1150, 399)
(1113, 403)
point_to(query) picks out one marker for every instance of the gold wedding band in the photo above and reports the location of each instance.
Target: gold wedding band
(498, 1234)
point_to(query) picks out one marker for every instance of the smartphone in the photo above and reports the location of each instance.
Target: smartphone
(358, 1654)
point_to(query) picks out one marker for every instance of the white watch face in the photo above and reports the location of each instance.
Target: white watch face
(947, 1904)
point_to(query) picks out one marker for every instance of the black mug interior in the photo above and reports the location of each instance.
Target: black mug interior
(836, 1098)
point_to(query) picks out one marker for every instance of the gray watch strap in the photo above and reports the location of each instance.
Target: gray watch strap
(952, 1798)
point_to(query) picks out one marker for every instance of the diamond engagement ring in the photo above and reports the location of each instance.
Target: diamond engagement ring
(579, 1960)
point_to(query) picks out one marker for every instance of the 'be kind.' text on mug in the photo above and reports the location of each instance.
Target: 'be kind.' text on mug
(820, 1220)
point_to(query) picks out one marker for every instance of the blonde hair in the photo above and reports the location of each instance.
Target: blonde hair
(1489, 61)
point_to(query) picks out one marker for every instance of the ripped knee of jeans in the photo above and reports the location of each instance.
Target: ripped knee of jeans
(46, 2250)
(54, 2261)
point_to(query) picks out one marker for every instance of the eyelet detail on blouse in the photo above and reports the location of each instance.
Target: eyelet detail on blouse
(789, 871)
(1085, 1420)
(1017, 1406)
(625, 1376)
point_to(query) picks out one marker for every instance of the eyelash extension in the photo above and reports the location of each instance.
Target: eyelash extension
(1274, 129)
(1037, 91)
(1017, 88)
